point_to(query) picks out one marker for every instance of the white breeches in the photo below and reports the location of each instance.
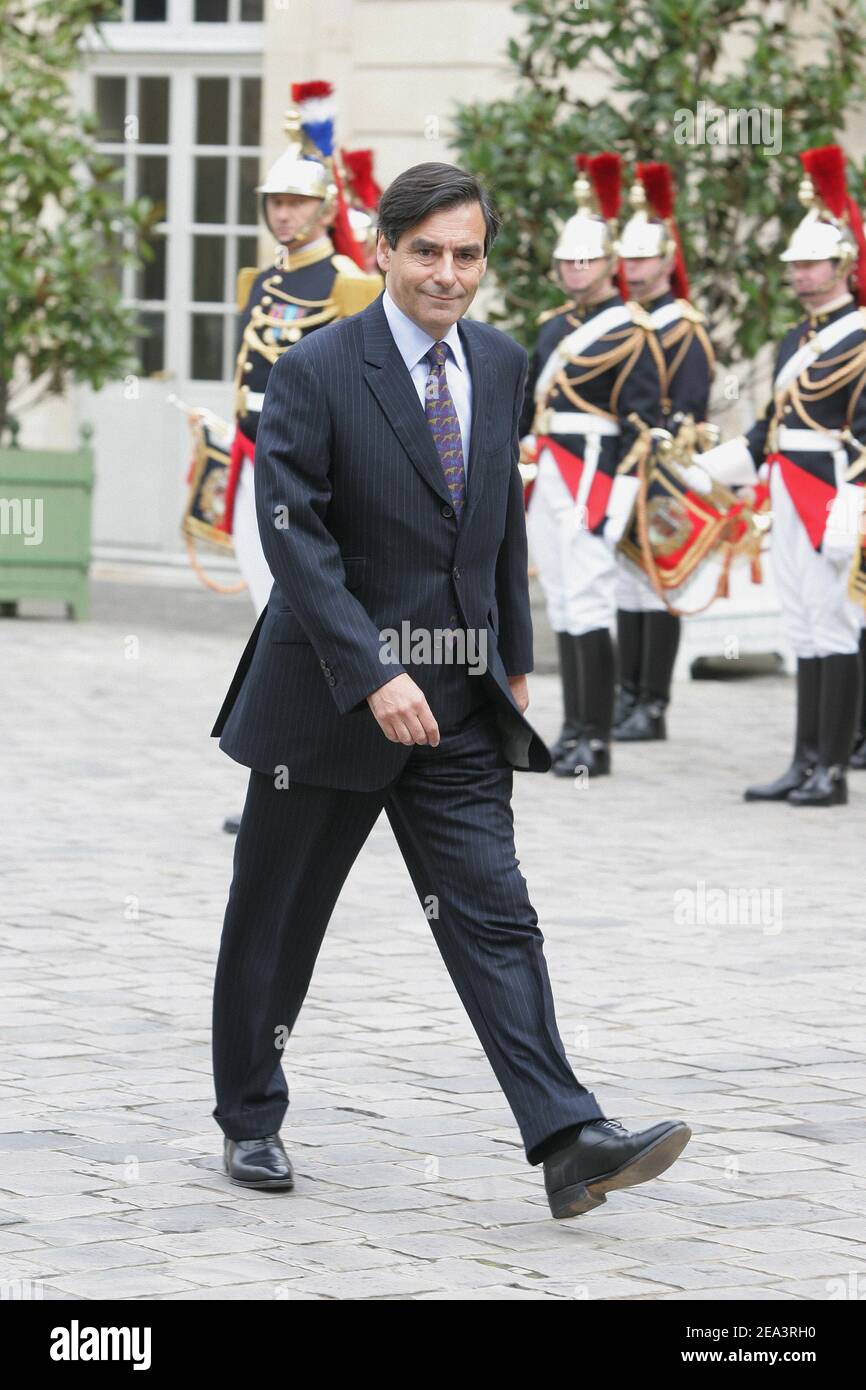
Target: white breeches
(577, 570)
(634, 591)
(248, 546)
(813, 590)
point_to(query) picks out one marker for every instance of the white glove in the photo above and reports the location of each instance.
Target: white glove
(844, 522)
(697, 477)
(730, 463)
(614, 530)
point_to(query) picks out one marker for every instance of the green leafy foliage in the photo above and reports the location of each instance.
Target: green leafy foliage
(64, 226)
(800, 63)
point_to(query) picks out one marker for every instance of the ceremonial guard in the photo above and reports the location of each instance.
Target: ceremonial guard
(809, 447)
(594, 379)
(316, 277)
(648, 634)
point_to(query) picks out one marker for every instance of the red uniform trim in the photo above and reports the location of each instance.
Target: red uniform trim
(596, 502)
(241, 448)
(811, 496)
(569, 465)
(571, 470)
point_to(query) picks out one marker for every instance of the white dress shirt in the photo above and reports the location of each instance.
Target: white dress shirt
(413, 343)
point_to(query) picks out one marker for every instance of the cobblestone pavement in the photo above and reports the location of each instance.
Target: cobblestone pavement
(706, 959)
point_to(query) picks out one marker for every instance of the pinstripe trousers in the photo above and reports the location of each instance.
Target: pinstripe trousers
(450, 810)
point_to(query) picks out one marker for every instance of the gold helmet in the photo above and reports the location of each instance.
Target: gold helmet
(825, 233)
(590, 233)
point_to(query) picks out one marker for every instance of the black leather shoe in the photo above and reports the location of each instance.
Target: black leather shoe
(826, 787)
(624, 704)
(568, 738)
(799, 772)
(259, 1162)
(591, 754)
(605, 1157)
(858, 757)
(232, 824)
(645, 724)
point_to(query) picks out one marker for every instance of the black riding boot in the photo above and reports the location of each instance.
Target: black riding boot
(629, 648)
(858, 757)
(570, 731)
(595, 683)
(661, 640)
(806, 738)
(840, 706)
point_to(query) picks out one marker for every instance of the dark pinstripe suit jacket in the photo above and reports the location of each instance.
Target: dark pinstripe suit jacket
(358, 529)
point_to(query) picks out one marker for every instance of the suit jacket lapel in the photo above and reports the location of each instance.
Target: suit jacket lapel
(394, 389)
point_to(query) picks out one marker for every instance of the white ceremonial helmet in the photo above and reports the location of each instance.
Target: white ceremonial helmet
(587, 235)
(296, 171)
(643, 235)
(825, 233)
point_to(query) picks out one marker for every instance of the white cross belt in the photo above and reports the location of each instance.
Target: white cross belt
(575, 422)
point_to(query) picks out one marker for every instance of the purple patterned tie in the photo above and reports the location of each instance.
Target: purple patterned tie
(445, 427)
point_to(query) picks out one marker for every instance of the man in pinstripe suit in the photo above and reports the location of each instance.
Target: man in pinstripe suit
(390, 501)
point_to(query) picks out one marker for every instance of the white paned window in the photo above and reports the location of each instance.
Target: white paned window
(190, 141)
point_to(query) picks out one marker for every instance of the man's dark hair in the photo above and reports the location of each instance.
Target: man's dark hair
(427, 188)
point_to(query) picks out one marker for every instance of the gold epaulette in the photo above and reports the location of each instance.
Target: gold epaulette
(547, 314)
(245, 281)
(353, 289)
(344, 265)
(688, 311)
(639, 315)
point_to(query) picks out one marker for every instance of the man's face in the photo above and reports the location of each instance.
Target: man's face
(582, 276)
(647, 275)
(817, 282)
(433, 272)
(287, 214)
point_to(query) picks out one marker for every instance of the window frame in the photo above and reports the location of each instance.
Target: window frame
(179, 227)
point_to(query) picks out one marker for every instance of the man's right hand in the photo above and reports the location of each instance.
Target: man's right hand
(402, 712)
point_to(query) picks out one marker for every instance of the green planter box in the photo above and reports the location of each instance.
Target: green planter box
(45, 503)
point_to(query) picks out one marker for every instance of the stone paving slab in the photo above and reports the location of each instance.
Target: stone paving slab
(706, 959)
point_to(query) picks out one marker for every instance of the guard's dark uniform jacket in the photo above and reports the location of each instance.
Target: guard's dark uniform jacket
(689, 360)
(819, 387)
(598, 364)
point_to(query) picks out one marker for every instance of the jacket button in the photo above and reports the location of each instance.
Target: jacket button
(332, 680)
(322, 661)
(447, 511)
(456, 573)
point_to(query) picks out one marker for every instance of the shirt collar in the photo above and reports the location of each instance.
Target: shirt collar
(414, 342)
